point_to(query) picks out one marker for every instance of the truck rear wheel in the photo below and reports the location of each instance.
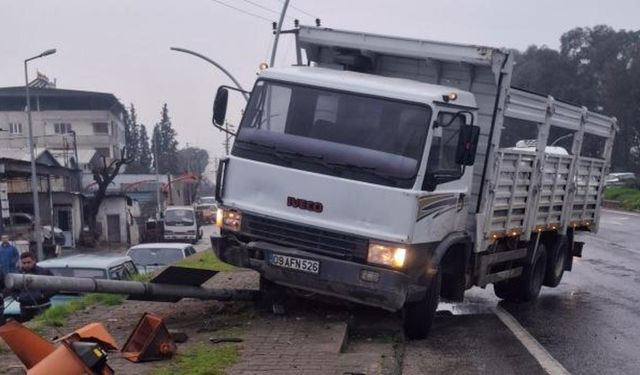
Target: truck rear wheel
(527, 286)
(556, 262)
(418, 316)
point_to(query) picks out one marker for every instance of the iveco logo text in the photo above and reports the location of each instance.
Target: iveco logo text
(304, 204)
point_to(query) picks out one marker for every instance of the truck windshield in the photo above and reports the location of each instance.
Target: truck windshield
(366, 138)
(178, 217)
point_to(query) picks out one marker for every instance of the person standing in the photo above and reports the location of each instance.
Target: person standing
(2, 318)
(32, 301)
(8, 256)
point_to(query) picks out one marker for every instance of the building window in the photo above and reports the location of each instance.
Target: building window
(61, 128)
(103, 151)
(100, 128)
(15, 128)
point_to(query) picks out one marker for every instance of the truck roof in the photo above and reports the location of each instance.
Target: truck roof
(397, 88)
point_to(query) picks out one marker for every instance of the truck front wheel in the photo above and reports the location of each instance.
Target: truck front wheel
(527, 286)
(418, 316)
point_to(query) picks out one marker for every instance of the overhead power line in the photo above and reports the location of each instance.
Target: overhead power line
(300, 10)
(242, 11)
(265, 8)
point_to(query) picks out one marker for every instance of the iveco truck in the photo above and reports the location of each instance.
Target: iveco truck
(384, 171)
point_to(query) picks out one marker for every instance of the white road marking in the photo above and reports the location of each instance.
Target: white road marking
(548, 363)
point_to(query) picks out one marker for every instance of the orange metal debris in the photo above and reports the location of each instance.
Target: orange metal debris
(41, 357)
(64, 361)
(95, 332)
(149, 341)
(26, 344)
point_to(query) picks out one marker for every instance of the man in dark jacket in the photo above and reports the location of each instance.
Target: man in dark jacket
(32, 301)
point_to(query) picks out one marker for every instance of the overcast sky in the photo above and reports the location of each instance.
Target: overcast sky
(122, 46)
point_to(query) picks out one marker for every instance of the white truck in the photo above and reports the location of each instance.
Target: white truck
(374, 171)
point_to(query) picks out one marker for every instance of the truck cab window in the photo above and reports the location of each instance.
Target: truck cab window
(442, 154)
(274, 100)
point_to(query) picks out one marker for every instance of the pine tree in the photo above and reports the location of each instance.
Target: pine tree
(132, 144)
(165, 144)
(144, 154)
(132, 139)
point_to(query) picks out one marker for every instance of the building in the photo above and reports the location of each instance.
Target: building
(70, 124)
(61, 204)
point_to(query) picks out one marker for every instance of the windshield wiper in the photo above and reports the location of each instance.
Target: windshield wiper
(371, 170)
(300, 155)
(266, 149)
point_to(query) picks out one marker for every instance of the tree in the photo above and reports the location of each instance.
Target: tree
(164, 143)
(145, 157)
(143, 160)
(132, 141)
(132, 133)
(597, 67)
(104, 172)
(193, 160)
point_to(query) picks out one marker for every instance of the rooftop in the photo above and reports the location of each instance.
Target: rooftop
(85, 261)
(162, 245)
(52, 99)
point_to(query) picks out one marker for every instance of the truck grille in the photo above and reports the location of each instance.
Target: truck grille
(306, 238)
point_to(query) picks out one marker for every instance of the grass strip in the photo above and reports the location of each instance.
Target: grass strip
(202, 359)
(629, 198)
(56, 316)
(206, 260)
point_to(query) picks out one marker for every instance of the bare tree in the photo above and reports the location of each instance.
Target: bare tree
(104, 172)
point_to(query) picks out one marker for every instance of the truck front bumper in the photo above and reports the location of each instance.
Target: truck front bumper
(355, 282)
(183, 237)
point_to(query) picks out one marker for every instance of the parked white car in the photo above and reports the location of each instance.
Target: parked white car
(151, 256)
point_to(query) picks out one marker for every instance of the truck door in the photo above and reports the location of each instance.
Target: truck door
(441, 165)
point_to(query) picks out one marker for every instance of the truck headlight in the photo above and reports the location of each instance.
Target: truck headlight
(228, 219)
(386, 255)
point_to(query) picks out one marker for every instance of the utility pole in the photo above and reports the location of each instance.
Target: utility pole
(227, 137)
(278, 29)
(155, 157)
(37, 230)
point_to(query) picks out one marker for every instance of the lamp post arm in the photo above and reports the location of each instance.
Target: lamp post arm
(205, 58)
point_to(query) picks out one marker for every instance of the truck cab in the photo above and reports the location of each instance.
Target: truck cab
(328, 176)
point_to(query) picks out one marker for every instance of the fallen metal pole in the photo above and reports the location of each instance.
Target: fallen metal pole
(131, 288)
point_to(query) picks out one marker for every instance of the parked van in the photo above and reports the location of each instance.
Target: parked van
(180, 224)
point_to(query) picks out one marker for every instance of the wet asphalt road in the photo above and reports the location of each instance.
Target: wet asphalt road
(589, 324)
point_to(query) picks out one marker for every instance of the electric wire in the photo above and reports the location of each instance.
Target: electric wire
(265, 8)
(300, 10)
(243, 11)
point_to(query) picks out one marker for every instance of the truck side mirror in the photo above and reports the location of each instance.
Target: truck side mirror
(220, 106)
(467, 144)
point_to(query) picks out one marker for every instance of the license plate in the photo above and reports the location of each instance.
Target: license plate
(300, 264)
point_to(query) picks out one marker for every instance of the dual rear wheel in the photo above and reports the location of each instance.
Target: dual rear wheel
(547, 268)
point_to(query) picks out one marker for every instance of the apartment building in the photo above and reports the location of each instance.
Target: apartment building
(73, 125)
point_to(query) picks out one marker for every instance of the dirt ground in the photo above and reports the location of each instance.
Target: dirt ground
(313, 337)
(200, 320)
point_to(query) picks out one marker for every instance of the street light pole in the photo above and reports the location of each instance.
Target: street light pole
(34, 177)
(205, 58)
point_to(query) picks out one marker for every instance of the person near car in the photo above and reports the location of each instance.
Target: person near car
(8, 256)
(2, 318)
(32, 301)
